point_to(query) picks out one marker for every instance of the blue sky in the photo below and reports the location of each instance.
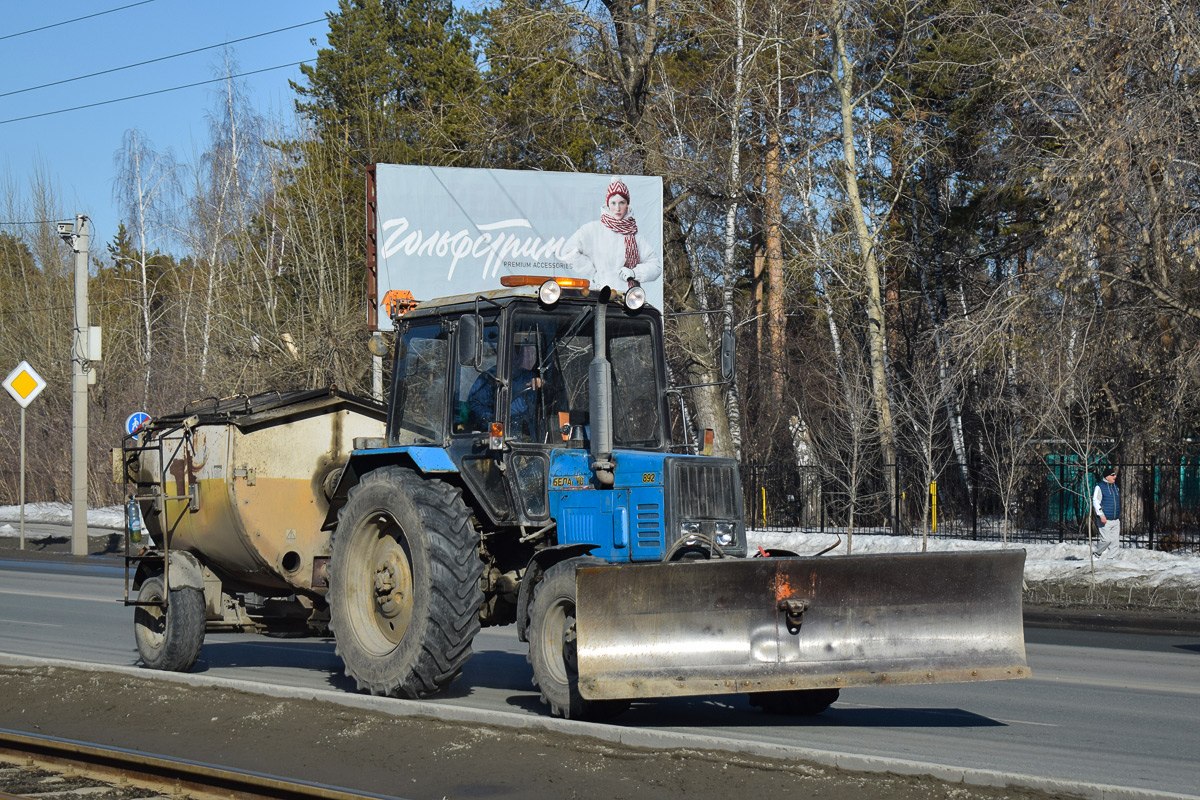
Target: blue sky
(76, 148)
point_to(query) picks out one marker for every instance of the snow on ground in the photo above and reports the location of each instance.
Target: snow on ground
(1066, 563)
(10, 517)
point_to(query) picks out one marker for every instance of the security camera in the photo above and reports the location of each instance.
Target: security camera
(66, 229)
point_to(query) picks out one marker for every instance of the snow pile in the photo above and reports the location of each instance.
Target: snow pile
(1049, 563)
(59, 513)
(1060, 563)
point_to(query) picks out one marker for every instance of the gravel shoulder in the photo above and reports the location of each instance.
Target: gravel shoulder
(412, 756)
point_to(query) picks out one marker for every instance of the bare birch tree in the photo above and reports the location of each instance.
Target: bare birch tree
(924, 428)
(145, 186)
(842, 75)
(843, 430)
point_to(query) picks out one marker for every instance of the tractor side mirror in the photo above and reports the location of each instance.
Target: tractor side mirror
(469, 345)
(728, 346)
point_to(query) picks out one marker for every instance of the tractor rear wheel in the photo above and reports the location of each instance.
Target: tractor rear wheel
(404, 578)
(169, 639)
(552, 653)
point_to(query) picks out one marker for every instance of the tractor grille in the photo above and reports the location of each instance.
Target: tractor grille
(706, 489)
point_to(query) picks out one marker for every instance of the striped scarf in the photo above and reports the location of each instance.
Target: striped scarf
(628, 228)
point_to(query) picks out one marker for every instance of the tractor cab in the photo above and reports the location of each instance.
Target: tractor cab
(501, 382)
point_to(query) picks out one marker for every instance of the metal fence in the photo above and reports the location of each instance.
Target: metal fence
(1050, 502)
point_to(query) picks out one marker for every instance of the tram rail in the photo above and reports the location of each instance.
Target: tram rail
(34, 766)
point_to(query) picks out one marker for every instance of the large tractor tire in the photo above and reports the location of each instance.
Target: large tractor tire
(169, 639)
(404, 577)
(552, 638)
(799, 703)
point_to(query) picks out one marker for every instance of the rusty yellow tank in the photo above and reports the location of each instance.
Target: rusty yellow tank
(244, 483)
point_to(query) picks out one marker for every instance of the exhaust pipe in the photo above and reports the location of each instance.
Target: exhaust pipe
(600, 410)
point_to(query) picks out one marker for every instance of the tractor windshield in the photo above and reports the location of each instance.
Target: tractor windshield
(549, 354)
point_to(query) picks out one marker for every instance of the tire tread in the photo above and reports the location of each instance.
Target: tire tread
(455, 595)
(185, 623)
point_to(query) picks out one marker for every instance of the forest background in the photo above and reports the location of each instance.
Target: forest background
(956, 235)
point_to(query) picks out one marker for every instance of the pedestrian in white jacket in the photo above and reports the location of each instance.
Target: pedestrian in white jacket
(1106, 502)
(610, 251)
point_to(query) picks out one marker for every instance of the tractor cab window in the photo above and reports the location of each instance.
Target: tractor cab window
(475, 389)
(549, 354)
(528, 404)
(419, 397)
(636, 399)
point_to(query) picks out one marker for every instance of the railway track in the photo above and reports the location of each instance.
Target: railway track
(46, 768)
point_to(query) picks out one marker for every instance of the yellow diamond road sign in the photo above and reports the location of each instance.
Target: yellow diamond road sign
(24, 384)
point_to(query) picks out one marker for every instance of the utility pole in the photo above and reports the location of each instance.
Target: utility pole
(77, 237)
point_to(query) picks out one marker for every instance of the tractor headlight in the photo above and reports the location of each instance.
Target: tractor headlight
(725, 533)
(549, 292)
(690, 528)
(635, 298)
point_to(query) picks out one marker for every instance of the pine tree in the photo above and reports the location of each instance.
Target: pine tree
(394, 84)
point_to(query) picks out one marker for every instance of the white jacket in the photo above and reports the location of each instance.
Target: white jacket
(598, 254)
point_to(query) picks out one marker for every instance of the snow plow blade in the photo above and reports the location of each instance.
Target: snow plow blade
(779, 624)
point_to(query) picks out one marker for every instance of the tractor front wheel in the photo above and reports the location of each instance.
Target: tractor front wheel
(552, 646)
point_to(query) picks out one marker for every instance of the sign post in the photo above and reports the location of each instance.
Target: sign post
(24, 384)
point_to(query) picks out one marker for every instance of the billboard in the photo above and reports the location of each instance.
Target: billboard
(444, 231)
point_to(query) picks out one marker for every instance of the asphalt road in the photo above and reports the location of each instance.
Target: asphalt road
(1106, 708)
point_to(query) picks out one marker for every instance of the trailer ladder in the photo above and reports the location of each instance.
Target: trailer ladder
(134, 448)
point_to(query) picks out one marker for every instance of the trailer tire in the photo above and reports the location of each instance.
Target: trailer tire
(799, 703)
(404, 584)
(169, 639)
(552, 646)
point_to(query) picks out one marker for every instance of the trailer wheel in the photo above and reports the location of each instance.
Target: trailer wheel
(404, 577)
(800, 703)
(169, 639)
(552, 646)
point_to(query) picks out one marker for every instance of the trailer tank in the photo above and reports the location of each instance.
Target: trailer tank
(244, 483)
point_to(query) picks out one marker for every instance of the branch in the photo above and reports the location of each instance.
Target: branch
(1162, 295)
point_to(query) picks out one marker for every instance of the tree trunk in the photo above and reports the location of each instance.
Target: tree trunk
(635, 26)
(777, 326)
(731, 209)
(697, 363)
(842, 74)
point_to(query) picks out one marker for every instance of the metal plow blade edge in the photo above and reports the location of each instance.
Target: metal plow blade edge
(777, 624)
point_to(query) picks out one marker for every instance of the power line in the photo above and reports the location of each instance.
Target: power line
(150, 94)
(29, 221)
(69, 21)
(161, 58)
(96, 305)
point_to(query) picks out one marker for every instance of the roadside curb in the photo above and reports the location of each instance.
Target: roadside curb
(630, 737)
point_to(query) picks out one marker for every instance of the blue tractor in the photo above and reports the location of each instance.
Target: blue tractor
(528, 476)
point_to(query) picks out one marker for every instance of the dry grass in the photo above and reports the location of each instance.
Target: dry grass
(1113, 596)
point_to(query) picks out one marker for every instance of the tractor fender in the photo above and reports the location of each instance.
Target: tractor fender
(425, 460)
(542, 560)
(183, 571)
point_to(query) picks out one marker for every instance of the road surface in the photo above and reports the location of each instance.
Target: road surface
(1113, 709)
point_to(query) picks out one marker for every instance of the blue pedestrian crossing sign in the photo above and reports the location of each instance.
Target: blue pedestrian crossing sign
(135, 421)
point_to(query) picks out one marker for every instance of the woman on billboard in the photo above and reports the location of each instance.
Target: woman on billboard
(610, 251)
